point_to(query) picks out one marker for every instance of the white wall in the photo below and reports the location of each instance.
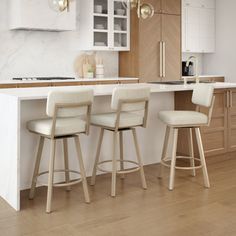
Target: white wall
(223, 62)
(40, 53)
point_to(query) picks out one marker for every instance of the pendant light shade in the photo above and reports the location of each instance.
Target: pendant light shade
(144, 10)
(58, 5)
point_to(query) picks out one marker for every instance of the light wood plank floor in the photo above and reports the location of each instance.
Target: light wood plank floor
(188, 210)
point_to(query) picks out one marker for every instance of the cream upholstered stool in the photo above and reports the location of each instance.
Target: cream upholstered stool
(69, 114)
(175, 120)
(130, 107)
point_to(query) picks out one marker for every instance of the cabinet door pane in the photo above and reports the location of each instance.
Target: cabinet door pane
(171, 36)
(149, 49)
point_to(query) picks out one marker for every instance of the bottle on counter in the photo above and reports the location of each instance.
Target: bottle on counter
(99, 68)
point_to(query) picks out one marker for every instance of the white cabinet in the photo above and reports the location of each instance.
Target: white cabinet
(36, 14)
(104, 25)
(198, 26)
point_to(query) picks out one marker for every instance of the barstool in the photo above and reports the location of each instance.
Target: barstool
(130, 106)
(175, 120)
(69, 114)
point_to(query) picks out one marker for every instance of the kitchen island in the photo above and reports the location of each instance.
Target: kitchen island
(18, 146)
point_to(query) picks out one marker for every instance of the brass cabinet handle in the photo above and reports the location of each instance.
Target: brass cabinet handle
(161, 60)
(231, 98)
(164, 58)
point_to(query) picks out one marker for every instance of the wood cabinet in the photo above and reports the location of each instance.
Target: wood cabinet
(73, 83)
(198, 26)
(165, 6)
(171, 7)
(27, 14)
(104, 25)
(155, 50)
(220, 136)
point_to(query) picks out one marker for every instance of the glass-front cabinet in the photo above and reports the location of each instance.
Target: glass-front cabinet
(104, 25)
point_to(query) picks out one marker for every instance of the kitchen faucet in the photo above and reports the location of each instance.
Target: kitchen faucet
(196, 68)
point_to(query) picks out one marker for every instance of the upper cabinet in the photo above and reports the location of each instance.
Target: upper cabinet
(104, 25)
(37, 15)
(198, 26)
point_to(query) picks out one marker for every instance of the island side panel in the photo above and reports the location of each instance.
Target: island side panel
(10, 150)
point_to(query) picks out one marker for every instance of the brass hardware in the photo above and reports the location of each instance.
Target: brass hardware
(164, 59)
(161, 60)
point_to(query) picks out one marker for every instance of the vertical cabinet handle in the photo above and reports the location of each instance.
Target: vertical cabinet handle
(161, 59)
(231, 98)
(164, 58)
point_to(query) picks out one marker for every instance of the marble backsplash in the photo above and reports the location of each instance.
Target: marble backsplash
(42, 53)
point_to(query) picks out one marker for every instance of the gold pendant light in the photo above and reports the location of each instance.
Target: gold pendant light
(59, 5)
(144, 10)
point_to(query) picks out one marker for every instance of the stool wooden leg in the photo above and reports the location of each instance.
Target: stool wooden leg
(144, 184)
(36, 168)
(121, 154)
(51, 175)
(82, 170)
(173, 160)
(114, 165)
(202, 157)
(191, 151)
(93, 178)
(164, 150)
(66, 161)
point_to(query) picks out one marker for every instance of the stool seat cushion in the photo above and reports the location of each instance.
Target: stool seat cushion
(127, 119)
(64, 126)
(183, 118)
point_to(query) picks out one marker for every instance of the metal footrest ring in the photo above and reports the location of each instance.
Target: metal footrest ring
(126, 171)
(166, 161)
(63, 184)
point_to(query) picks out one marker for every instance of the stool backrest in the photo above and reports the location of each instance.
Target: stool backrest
(203, 95)
(130, 99)
(69, 103)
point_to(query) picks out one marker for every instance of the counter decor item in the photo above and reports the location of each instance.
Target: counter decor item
(90, 72)
(83, 63)
(99, 68)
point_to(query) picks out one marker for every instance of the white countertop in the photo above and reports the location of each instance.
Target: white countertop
(63, 81)
(101, 90)
(203, 76)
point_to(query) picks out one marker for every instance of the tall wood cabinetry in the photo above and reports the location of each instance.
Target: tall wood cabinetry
(155, 50)
(220, 136)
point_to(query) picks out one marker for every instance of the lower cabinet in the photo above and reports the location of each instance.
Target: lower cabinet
(220, 136)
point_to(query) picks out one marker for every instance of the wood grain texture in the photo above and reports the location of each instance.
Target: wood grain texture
(171, 7)
(144, 60)
(188, 210)
(171, 35)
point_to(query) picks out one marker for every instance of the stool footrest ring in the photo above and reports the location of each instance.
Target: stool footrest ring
(126, 171)
(165, 163)
(63, 184)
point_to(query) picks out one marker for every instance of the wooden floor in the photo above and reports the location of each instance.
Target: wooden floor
(189, 210)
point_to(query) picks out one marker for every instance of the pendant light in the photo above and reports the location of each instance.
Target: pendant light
(144, 10)
(59, 5)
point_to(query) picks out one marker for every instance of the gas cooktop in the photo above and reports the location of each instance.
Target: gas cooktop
(44, 78)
